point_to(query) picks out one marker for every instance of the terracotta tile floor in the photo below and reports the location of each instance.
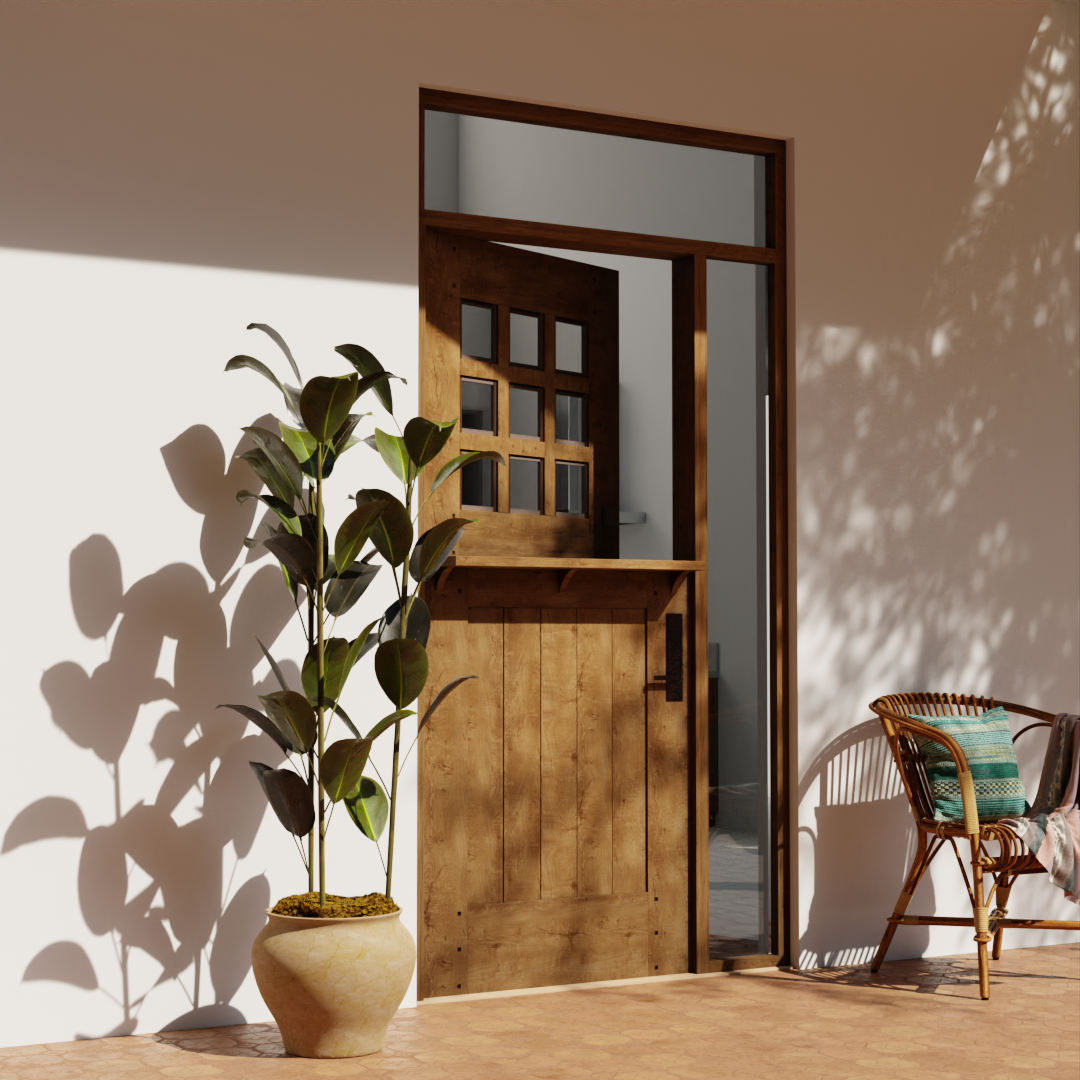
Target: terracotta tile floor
(914, 1019)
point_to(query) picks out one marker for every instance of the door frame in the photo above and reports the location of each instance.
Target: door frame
(689, 444)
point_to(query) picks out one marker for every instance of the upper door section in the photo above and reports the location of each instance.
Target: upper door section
(522, 349)
(531, 172)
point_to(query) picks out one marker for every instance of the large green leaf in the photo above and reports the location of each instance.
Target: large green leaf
(434, 547)
(308, 525)
(268, 472)
(280, 342)
(393, 533)
(344, 590)
(425, 438)
(419, 628)
(296, 556)
(283, 458)
(401, 666)
(454, 464)
(393, 452)
(278, 673)
(354, 532)
(388, 722)
(294, 716)
(367, 365)
(369, 807)
(344, 437)
(342, 765)
(303, 445)
(339, 656)
(238, 362)
(325, 404)
(286, 514)
(441, 696)
(263, 723)
(288, 795)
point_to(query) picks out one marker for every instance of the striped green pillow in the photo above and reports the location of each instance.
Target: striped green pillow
(987, 743)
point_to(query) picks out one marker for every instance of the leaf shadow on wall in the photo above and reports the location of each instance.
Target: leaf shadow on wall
(938, 456)
(189, 914)
(938, 471)
(859, 795)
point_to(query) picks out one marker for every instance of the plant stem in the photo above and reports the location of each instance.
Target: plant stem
(321, 658)
(311, 758)
(393, 810)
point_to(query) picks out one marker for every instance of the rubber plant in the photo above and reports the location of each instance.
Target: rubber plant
(294, 464)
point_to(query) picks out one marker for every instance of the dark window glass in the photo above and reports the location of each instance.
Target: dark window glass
(477, 331)
(526, 412)
(570, 418)
(570, 493)
(478, 405)
(526, 484)
(524, 339)
(478, 484)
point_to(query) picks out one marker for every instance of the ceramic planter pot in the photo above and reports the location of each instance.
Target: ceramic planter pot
(333, 985)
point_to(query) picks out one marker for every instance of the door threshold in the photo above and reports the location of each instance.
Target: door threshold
(449, 999)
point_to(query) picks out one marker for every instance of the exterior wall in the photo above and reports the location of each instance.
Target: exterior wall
(172, 171)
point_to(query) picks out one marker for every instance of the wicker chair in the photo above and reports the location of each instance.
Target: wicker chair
(1013, 857)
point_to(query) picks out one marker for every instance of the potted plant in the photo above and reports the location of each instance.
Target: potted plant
(334, 969)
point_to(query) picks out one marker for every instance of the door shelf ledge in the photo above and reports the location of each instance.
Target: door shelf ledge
(680, 568)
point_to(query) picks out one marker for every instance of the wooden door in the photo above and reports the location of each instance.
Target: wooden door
(508, 328)
(553, 789)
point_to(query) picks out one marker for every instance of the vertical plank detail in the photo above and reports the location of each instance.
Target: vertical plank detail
(628, 677)
(558, 753)
(484, 727)
(521, 754)
(594, 781)
(443, 804)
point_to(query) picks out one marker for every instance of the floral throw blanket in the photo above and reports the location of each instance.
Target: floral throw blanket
(1051, 828)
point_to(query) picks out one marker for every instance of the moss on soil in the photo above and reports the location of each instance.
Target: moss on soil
(336, 907)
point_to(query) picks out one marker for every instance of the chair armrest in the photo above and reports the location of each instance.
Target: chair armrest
(963, 769)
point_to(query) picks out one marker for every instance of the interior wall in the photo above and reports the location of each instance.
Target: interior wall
(172, 171)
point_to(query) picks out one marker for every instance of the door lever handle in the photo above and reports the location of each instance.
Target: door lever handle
(673, 679)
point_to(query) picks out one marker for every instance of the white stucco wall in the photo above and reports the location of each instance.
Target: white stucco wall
(172, 171)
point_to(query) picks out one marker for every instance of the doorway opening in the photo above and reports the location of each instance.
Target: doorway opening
(520, 205)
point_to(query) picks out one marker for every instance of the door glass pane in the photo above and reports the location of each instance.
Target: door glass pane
(526, 412)
(740, 850)
(525, 339)
(478, 484)
(477, 331)
(570, 494)
(503, 168)
(569, 347)
(526, 484)
(570, 418)
(477, 405)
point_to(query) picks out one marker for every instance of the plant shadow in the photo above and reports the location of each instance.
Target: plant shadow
(157, 876)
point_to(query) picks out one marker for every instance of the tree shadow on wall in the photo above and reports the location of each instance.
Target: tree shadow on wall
(183, 918)
(937, 455)
(864, 840)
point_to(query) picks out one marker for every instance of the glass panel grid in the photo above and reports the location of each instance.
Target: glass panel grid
(477, 405)
(569, 347)
(526, 485)
(477, 330)
(478, 484)
(526, 412)
(525, 340)
(571, 482)
(570, 418)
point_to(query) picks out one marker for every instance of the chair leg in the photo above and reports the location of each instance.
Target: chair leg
(981, 919)
(1002, 897)
(918, 868)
